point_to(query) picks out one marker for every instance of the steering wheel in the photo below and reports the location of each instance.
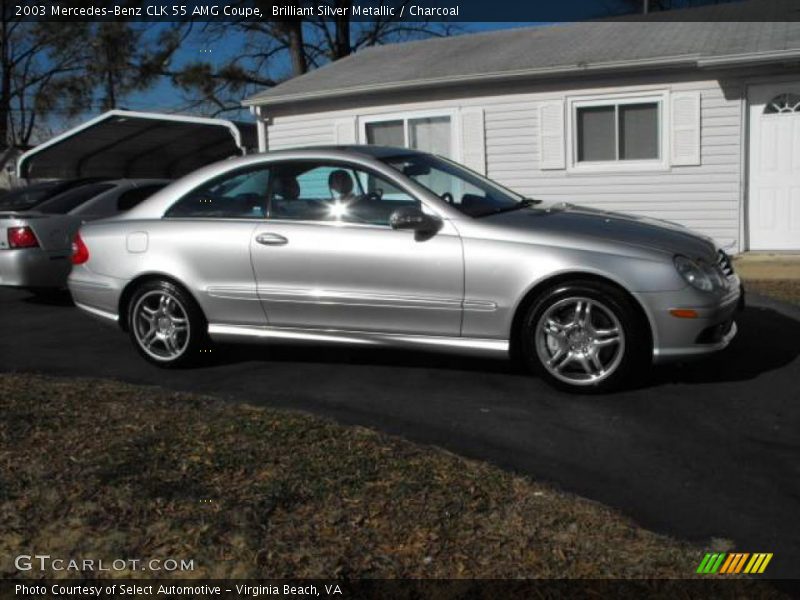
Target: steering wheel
(447, 197)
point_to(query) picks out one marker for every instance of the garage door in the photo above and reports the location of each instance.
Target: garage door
(774, 210)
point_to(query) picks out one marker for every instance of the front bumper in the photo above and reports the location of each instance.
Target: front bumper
(710, 331)
(33, 268)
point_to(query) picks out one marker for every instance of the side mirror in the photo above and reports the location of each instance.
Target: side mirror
(411, 217)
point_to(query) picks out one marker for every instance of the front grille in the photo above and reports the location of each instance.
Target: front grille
(724, 263)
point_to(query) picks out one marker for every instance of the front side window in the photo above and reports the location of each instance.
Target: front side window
(623, 131)
(238, 195)
(320, 191)
(428, 134)
(463, 189)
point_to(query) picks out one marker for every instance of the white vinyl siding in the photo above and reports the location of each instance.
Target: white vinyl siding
(345, 131)
(302, 130)
(704, 196)
(473, 139)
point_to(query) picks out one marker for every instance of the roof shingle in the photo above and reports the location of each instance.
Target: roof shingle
(532, 51)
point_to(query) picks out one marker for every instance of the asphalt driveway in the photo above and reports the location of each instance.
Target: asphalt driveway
(708, 449)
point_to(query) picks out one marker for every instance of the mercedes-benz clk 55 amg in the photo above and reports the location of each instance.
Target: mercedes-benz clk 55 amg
(374, 246)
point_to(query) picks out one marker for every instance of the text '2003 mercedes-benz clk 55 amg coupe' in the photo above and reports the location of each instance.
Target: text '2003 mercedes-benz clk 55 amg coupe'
(377, 246)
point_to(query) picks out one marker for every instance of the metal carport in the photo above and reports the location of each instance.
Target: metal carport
(121, 143)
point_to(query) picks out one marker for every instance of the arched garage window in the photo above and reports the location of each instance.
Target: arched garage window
(783, 104)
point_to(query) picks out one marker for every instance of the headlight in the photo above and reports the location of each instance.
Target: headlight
(698, 275)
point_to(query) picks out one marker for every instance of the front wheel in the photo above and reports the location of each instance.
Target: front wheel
(166, 325)
(585, 337)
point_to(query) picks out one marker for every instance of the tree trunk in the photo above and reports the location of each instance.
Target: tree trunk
(111, 96)
(297, 52)
(342, 43)
(5, 80)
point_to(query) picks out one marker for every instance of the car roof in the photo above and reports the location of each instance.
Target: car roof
(361, 149)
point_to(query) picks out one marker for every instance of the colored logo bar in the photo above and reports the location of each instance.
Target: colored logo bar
(734, 563)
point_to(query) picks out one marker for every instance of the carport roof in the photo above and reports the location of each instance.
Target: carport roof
(122, 143)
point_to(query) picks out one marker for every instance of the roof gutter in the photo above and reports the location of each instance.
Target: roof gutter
(750, 58)
(687, 60)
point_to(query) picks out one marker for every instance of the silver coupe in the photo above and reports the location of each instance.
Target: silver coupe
(375, 246)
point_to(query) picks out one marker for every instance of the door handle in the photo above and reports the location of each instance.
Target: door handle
(271, 239)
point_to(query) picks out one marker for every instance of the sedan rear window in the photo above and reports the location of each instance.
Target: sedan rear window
(64, 203)
(27, 197)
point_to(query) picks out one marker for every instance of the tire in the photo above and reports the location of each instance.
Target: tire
(585, 337)
(166, 325)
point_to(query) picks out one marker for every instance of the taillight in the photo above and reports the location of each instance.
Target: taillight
(22, 237)
(80, 253)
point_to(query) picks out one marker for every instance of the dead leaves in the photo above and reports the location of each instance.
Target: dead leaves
(112, 470)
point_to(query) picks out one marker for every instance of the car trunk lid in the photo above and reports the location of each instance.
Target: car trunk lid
(53, 232)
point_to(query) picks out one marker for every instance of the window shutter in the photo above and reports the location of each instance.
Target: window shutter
(551, 135)
(685, 128)
(473, 140)
(345, 131)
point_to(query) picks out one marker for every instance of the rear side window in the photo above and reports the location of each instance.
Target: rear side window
(67, 201)
(238, 195)
(131, 198)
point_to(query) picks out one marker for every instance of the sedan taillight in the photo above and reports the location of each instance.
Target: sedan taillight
(80, 253)
(22, 237)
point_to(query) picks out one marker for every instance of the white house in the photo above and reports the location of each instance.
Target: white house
(693, 122)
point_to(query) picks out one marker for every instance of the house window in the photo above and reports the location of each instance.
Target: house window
(432, 134)
(617, 132)
(783, 104)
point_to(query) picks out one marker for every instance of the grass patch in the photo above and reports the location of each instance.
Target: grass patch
(787, 290)
(106, 470)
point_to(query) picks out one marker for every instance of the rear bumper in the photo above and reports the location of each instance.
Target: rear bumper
(33, 268)
(95, 294)
(683, 338)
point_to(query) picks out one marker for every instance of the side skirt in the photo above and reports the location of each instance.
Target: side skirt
(461, 345)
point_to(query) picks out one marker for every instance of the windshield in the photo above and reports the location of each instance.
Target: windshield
(463, 189)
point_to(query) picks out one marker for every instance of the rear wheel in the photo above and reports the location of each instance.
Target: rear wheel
(585, 336)
(166, 325)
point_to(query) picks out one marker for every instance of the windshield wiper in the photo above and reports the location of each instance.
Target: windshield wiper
(524, 203)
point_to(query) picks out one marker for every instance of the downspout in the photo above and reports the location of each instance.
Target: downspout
(261, 128)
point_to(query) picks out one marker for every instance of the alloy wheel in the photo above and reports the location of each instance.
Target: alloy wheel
(580, 341)
(161, 325)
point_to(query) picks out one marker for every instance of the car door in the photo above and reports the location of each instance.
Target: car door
(204, 240)
(327, 258)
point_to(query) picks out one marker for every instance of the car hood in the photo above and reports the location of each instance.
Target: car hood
(571, 221)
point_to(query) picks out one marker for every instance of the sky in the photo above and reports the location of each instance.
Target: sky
(164, 98)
